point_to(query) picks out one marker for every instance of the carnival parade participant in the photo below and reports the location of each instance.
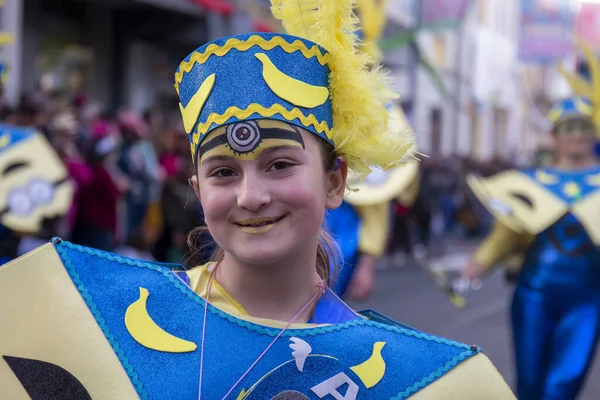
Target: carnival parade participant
(34, 187)
(550, 214)
(274, 122)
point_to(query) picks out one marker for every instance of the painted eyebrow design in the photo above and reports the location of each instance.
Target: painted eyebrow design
(263, 152)
(265, 133)
(13, 167)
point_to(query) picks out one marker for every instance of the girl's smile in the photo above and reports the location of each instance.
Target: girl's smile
(258, 226)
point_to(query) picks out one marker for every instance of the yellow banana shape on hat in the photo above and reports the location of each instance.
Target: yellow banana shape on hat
(290, 89)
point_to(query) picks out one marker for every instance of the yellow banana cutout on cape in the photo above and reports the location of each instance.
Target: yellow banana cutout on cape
(147, 333)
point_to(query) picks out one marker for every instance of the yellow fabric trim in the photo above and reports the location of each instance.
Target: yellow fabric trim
(374, 228)
(499, 244)
(222, 300)
(497, 194)
(295, 113)
(475, 378)
(240, 45)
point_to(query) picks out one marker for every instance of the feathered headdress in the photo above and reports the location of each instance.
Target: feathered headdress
(359, 94)
(315, 77)
(587, 86)
(372, 14)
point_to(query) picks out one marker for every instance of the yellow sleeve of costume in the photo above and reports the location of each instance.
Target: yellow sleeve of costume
(374, 228)
(409, 195)
(499, 244)
(475, 378)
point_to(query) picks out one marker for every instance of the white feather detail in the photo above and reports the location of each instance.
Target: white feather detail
(301, 351)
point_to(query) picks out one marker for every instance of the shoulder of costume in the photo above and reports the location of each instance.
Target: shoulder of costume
(519, 200)
(151, 318)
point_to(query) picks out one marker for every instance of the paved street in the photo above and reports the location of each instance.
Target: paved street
(409, 295)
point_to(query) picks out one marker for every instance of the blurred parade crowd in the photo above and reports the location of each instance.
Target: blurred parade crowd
(132, 194)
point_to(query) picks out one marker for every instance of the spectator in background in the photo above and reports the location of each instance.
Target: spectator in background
(63, 131)
(138, 161)
(181, 214)
(96, 224)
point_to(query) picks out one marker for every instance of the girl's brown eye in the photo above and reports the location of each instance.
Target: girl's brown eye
(224, 173)
(280, 165)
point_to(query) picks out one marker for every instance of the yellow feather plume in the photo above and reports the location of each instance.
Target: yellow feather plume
(359, 93)
(583, 87)
(372, 14)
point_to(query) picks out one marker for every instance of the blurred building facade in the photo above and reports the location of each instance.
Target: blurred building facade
(122, 52)
(477, 60)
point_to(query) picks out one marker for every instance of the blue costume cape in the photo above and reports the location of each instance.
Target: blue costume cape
(357, 357)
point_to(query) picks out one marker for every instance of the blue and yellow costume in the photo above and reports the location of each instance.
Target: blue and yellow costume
(361, 225)
(90, 324)
(551, 217)
(34, 186)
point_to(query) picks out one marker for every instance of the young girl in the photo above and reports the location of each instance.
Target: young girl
(274, 121)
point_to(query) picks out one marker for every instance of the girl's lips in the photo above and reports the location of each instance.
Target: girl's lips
(258, 222)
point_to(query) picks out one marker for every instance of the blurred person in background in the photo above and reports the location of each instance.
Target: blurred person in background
(550, 216)
(63, 131)
(181, 214)
(138, 161)
(96, 224)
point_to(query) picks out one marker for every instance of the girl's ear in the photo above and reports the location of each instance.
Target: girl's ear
(336, 180)
(194, 183)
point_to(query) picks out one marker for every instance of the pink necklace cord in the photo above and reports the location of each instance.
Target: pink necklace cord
(321, 290)
(208, 289)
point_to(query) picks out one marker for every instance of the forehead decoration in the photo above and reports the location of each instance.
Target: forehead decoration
(315, 77)
(247, 139)
(34, 183)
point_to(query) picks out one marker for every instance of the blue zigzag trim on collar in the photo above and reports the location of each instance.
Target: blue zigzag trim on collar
(434, 376)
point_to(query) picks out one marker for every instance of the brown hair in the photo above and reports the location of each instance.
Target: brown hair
(327, 249)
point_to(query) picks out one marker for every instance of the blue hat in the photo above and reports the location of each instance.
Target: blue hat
(573, 107)
(254, 76)
(315, 77)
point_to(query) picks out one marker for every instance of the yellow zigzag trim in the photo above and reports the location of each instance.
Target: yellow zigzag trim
(263, 111)
(255, 40)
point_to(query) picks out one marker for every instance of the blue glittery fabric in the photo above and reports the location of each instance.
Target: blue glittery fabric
(556, 312)
(109, 284)
(239, 81)
(581, 178)
(11, 135)
(344, 225)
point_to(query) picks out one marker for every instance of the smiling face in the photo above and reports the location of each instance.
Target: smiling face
(33, 182)
(264, 190)
(574, 138)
